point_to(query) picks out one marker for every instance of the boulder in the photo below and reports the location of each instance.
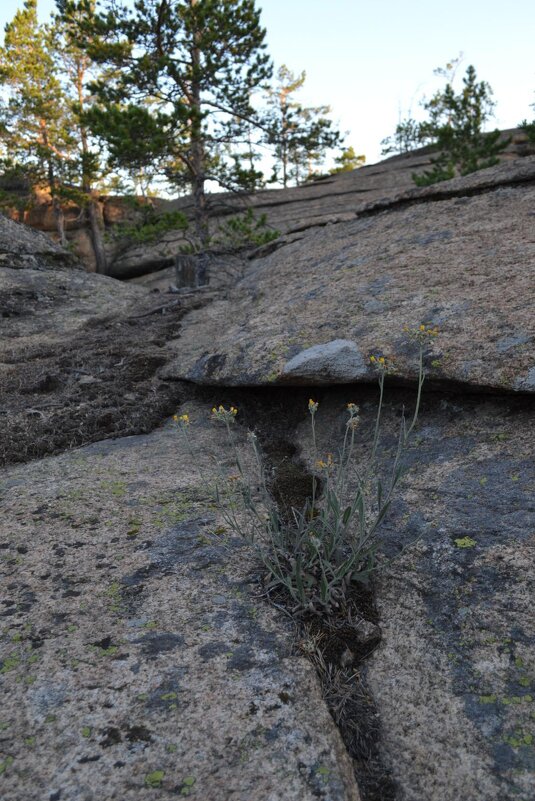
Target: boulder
(335, 362)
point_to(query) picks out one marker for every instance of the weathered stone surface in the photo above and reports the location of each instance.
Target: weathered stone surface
(135, 658)
(460, 256)
(454, 675)
(78, 352)
(24, 248)
(339, 361)
(332, 199)
(49, 305)
(111, 211)
(79, 355)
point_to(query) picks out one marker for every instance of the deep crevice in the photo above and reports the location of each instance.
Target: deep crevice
(274, 413)
(327, 641)
(348, 699)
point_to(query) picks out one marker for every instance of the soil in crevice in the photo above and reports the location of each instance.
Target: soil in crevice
(101, 383)
(333, 645)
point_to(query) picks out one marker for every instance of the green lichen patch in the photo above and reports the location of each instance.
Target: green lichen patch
(8, 761)
(323, 772)
(519, 739)
(116, 488)
(11, 662)
(155, 778)
(488, 699)
(187, 785)
(465, 542)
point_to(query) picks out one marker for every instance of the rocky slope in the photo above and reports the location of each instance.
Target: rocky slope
(137, 656)
(459, 256)
(287, 210)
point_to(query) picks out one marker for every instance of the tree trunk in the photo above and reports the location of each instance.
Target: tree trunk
(92, 216)
(97, 240)
(56, 204)
(284, 142)
(199, 203)
(198, 159)
(60, 221)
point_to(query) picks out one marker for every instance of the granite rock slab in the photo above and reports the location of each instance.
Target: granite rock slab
(22, 247)
(461, 257)
(136, 658)
(453, 678)
(333, 198)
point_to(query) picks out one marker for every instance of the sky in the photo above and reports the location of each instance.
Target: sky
(372, 62)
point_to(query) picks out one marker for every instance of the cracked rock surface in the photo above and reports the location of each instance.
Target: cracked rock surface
(137, 659)
(135, 653)
(454, 675)
(463, 261)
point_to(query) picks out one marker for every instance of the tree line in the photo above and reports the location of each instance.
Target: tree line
(181, 95)
(175, 94)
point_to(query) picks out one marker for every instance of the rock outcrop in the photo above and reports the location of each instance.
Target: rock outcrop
(136, 660)
(23, 248)
(137, 654)
(335, 198)
(78, 351)
(460, 256)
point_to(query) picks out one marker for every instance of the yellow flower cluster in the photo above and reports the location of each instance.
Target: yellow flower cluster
(312, 406)
(224, 415)
(422, 332)
(328, 465)
(381, 363)
(183, 420)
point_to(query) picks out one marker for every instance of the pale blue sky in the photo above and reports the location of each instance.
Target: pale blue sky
(370, 60)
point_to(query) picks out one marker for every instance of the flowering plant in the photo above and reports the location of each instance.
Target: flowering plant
(315, 556)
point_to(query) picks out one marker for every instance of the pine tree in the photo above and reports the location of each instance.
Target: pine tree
(75, 69)
(183, 74)
(46, 145)
(36, 123)
(408, 136)
(456, 126)
(299, 135)
(347, 161)
(529, 128)
(284, 124)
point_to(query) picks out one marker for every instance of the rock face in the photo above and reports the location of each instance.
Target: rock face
(22, 247)
(335, 362)
(137, 655)
(111, 211)
(454, 675)
(332, 199)
(460, 256)
(78, 351)
(136, 659)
